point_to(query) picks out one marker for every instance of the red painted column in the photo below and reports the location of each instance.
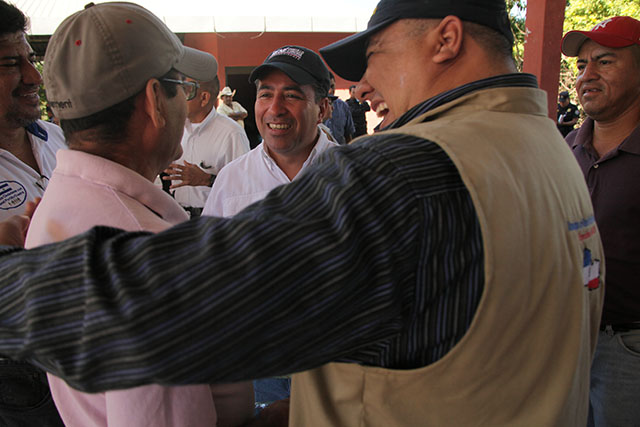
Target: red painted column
(542, 46)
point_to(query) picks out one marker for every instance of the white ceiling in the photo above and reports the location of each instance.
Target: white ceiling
(194, 16)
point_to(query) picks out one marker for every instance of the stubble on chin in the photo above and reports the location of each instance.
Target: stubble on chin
(22, 119)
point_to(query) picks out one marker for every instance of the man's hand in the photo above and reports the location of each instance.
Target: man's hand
(14, 230)
(274, 415)
(189, 174)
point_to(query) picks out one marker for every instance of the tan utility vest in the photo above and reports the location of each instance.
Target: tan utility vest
(525, 359)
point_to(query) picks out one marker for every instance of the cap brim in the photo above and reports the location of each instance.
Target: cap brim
(347, 57)
(573, 41)
(197, 65)
(296, 74)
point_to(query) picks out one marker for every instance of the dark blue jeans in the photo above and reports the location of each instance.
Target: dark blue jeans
(268, 390)
(25, 399)
(615, 380)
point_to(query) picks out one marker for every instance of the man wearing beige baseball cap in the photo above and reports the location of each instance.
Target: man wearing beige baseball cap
(607, 147)
(114, 75)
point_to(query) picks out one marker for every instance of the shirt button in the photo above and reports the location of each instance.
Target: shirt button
(595, 166)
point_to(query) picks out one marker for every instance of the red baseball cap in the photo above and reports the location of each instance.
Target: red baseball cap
(619, 31)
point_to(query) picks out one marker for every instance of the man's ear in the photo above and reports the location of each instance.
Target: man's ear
(204, 98)
(155, 103)
(448, 38)
(324, 106)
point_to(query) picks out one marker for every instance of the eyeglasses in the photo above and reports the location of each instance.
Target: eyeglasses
(190, 88)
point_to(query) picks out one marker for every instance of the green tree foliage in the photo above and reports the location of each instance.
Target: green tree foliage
(517, 10)
(43, 96)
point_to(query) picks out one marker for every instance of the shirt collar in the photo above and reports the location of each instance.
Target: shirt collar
(194, 127)
(321, 145)
(506, 80)
(584, 137)
(38, 131)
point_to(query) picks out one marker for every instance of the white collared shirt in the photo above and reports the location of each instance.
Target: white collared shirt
(210, 144)
(19, 183)
(250, 178)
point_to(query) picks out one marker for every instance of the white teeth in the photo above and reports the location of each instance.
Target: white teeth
(278, 126)
(381, 108)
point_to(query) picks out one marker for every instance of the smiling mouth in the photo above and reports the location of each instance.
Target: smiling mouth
(278, 126)
(382, 109)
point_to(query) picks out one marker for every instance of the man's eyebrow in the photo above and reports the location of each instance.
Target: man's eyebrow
(294, 87)
(598, 57)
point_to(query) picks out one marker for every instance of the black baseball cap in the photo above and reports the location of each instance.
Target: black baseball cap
(346, 57)
(563, 95)
(302, 65)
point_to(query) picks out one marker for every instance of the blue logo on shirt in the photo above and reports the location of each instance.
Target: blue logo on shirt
(12, 195)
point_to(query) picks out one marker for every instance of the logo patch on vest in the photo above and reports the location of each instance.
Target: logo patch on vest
(590, 271)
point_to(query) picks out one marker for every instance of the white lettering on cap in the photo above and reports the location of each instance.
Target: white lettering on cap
(289, 51)
(601, 24)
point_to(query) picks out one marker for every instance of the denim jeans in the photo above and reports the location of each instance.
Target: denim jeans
(25, 399)
(268, 390)
(614, 398)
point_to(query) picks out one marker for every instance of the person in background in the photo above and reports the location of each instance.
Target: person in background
(27, 157)
(403, 277)
(340, 123)
(607, 147)
(358, 112)
(326, 116)
(28, 145)
(231, 108)
(568, 114)
(210, 141)
(292, 91)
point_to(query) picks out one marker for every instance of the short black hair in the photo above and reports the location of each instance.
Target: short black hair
(212, 86)
(110, 125)
(352, 87)
(11, 19)
(490, 39)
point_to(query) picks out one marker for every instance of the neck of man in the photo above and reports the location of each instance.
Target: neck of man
(16, 141)
(609, 134)
(291, 162)
(202, 114)
(124, 153)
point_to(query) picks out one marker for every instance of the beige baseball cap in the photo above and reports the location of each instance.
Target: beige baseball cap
(107, 52)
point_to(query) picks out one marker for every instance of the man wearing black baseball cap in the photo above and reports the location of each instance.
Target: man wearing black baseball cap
(607, 147)
(292, 86)
(446, 271)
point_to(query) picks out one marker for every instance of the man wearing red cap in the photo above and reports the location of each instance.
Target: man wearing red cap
(607, 147)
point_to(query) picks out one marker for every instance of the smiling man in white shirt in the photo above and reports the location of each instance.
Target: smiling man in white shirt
(292, 88)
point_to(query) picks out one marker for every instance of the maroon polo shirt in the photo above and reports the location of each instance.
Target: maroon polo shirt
(614, 184)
